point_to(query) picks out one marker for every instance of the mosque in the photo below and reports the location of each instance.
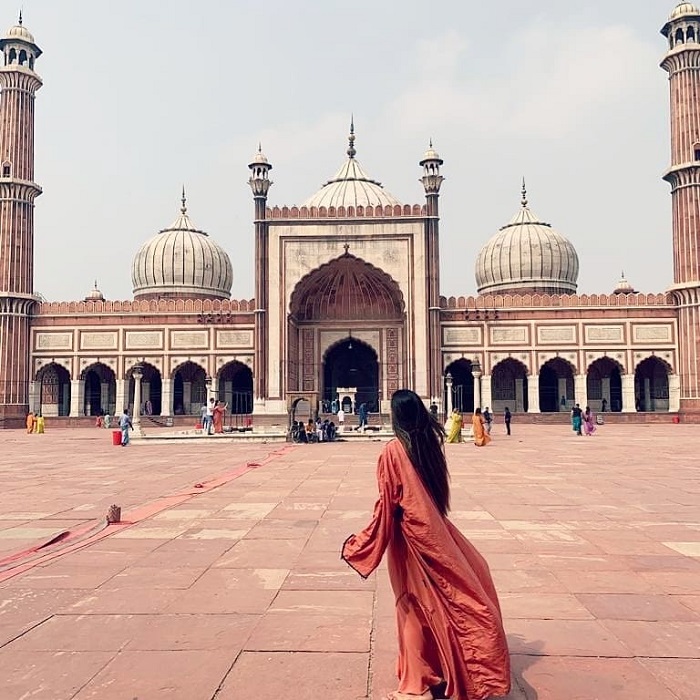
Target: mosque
(347, 300)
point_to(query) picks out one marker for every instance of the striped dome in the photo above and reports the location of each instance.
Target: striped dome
(527, 255)
(182, 261)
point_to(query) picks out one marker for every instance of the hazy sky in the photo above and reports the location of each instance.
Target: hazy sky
(140, 96)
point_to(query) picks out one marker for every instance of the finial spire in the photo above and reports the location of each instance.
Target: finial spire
(20, 17)
(524, 193)
(431, 142)
(183, 209)
(259, 146)
(351, 139)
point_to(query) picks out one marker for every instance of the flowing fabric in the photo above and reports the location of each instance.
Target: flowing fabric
(448, 616)
(576, 423)
(219, 419)
(30, 422)
(455, 432)
(481, 437)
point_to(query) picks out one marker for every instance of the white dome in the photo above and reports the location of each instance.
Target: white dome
(683, 9)
(182, 261)
(527, 255)
(623, 286)
(351, 186)
(95, 294)
(19, 31)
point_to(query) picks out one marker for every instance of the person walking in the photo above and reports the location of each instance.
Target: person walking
(125, 425)
(30, 422)
(451, 638)
(507, 417)
(576, 419)
(588, 422)
(208, 417)
(481, 437)
(488, 420)
(341, 420)
(362, 412)
(218, 417)
(454, 432)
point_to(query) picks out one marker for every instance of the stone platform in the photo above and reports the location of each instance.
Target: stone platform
(225, 581)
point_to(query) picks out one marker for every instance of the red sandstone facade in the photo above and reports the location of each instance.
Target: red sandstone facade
(347, 283)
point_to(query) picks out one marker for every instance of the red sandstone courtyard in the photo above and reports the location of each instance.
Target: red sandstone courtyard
(229, 583)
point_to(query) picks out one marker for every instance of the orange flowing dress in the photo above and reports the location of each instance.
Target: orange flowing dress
(30, 422)
(448, 616)
(481, 437)
(219, 419)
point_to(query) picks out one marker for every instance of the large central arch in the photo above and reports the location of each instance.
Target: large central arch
(329, 309)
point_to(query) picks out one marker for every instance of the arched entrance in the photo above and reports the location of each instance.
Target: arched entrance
(54, 394)
(462, 386)
(556, 386)
(348, 295)
(235, 388)
(651, 386)
(352, 363)
(151, 391)
(604, 385)
(100, 390)
(189, 389)
(508, 387)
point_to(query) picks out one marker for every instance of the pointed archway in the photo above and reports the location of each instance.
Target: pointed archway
(651, 385)
(235, 388)
(556, 386)
(604, 385)
(100, 390)
(462, 385)
(508, 387)
(54, 390)
(352, 363)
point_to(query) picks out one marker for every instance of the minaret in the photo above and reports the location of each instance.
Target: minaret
(18, 86)
(260, 184)
(432, 181)
(682, 62)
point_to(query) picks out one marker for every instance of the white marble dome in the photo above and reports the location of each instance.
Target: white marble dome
(351, 186)
(182, 261)
(19, 31)
(527, 255)
(683, 9)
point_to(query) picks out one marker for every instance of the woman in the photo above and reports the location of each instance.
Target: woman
(588, 422)
(30, 422)
(454, 433)
(218, 417)
(481, 437)
(451, 636)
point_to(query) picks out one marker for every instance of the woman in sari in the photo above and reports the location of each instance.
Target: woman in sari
(30, 422)
(455, 428)
(588, 422)
(451, 638)
(219, 411)
(481, 437)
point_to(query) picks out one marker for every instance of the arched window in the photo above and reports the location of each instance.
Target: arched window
(680, 38)
(22, 57)
(13, 56)
(7, 169)
(690, 35)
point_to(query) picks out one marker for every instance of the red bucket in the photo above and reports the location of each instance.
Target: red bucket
(116, 437)
(676, 419)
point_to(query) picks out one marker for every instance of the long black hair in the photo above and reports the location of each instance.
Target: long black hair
(422, 437)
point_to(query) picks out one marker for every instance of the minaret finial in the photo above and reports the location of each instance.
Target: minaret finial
(351, 139)
(20, 17)
(259, 146)
(184, 201)
(431, 142)
(524, 193)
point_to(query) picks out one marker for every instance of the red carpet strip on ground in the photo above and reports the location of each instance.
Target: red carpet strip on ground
(16, 563)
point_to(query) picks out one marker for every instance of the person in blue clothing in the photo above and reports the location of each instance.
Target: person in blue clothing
(363, 414)
(125, 425)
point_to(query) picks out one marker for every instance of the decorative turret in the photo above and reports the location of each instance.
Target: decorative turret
(95, 294)
(260, 175)
(623, 286)
(432, 180)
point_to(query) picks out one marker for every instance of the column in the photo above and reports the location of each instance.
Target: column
(561, 391)
(647, 395)
(477, 389)
(77, 398)
(533, 393)
(187, 397)
(486, 391)
(581, 390)
(674, 393)
(137, 374)
(628, 393)
(606, 391)
(122, 385)
(166, 408)
(519, 395)
(104, 396)
(35, 396)
(448, 390)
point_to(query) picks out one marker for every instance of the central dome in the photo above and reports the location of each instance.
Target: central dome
(181, 261)
(351, 186)
(527, 255)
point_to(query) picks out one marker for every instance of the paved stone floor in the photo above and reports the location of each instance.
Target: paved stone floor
(234, 588)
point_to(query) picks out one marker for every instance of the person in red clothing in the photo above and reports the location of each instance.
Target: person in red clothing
(451, 637)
